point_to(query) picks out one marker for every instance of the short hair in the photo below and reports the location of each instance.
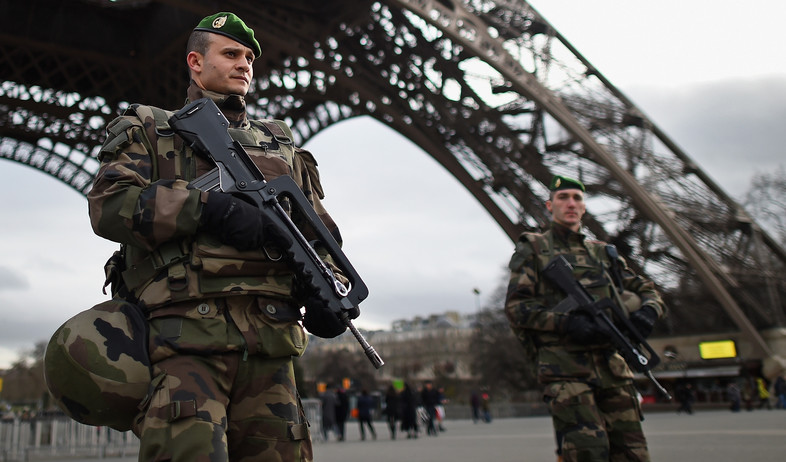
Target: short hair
(198, 41)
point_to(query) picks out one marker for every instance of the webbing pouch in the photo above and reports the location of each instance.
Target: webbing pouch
(166, 255)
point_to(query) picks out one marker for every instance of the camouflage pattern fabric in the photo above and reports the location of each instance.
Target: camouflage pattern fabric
(224, 324)
(573, 373)
(596, 425)
(97, 367)
(237, 403)
(141, 199)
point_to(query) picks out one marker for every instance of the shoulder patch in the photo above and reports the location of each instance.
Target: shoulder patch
(311, 166)
(538, 241)
(524, 250)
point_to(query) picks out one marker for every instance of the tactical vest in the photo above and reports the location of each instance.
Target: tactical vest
(201, 266)
(589, 261)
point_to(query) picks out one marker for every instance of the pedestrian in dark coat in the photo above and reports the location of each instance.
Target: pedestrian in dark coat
(365, 414)
(342, 412)
(392, 410)
(409, 404)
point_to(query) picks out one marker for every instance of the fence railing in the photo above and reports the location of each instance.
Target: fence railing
(45, 437)
(42, 437)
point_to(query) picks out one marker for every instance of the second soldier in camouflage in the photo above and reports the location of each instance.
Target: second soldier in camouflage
(587, 385)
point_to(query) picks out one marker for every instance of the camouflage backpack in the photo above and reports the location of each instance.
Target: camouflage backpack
(96, 365)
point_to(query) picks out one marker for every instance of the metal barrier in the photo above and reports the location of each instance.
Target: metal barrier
(43, 437)
(313, 409)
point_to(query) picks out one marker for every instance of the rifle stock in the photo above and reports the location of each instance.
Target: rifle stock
(638, 354)
(202, 125)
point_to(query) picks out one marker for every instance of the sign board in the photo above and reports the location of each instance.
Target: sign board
(716, 350)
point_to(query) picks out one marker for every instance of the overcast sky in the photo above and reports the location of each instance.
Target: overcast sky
(711, 74)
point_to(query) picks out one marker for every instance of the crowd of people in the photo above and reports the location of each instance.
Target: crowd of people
(747, 392)
(407, 411)
(757, 392)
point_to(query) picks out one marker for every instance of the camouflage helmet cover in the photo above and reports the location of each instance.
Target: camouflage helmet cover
(96, 365)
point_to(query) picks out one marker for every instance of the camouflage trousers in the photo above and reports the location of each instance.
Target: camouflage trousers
(223, 385)
(190, 417)
(596, 424)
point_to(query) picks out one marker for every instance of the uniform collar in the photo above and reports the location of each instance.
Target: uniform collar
(564, 233)
(233, 106)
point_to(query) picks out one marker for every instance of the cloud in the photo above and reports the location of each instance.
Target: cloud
(731, 128)
(11, 279)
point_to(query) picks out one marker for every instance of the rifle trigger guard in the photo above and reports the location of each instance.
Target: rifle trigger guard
(272, 258)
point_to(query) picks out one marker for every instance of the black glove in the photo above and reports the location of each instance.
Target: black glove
(644, 319)
(237, 223)
(582, 328)
(322, 322)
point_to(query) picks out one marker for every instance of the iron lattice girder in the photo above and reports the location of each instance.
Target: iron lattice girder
(488, 88)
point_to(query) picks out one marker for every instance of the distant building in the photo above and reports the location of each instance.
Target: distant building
(417, 349)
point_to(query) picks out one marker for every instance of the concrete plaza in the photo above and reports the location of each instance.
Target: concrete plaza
(717, 436)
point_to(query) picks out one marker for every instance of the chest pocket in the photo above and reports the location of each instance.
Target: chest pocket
(268, 146)
(588, 267)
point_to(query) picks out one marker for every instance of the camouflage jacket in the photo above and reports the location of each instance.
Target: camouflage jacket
(140, 199)
(531, 299)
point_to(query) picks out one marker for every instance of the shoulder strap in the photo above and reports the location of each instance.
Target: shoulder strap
(155, 123)
(164, 143)
(597, 250)
(278, 128)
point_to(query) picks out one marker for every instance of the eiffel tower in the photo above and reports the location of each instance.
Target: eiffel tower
(490, 89)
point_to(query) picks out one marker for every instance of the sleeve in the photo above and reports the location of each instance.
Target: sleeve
(306, 173)
(525, 304)
(125, 206)
(644, 288)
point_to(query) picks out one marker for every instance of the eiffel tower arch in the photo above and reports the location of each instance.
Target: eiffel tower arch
(490, 89)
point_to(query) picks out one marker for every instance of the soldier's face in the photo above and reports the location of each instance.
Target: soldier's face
(225, 68)
(567, 207)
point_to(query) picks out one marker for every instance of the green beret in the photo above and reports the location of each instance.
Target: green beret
(563, 182)
(228, 24)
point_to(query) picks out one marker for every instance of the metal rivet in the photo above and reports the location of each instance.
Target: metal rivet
(271, 309)
(203, 308)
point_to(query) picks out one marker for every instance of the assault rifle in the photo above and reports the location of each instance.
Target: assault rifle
(631, 345)
(202, 125)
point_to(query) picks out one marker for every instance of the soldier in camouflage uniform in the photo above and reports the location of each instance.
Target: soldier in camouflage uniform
(221, 306)
(587, 385)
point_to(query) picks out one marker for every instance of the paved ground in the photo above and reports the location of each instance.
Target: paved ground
(717, 436)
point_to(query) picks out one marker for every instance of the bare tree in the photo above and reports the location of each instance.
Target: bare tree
(500, 361)
(24, 382)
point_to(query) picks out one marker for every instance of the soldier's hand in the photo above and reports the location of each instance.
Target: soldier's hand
(237, 223)
(322, 322)
(582, 328)
(644, 320)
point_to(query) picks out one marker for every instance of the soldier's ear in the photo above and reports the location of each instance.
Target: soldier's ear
(194, 61)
